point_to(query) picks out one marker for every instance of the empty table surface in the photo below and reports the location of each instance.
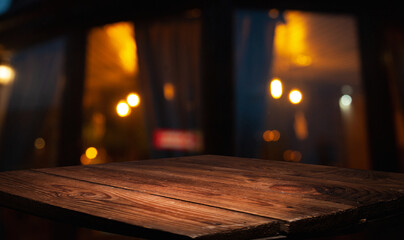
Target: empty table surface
(205, 197)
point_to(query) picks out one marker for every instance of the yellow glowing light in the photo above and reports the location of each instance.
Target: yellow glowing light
(121, 36)
(7, 74)
(169, 91)
(133, 99)
(123, 109)
(39, 143)
(276, 88)
(295, 96)
(91, 153)
(273, 13)
(290, 38)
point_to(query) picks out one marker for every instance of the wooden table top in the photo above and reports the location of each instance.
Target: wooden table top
(205, 197)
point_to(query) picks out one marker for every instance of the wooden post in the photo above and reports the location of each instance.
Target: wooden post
(380, 122)
(217, 77)
(71, 113)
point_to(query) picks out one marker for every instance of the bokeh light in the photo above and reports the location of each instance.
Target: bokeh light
(133, 99)
(273, 13)
(39, 143)
(271, 135)
(292, 156)
(7, 74)
(169, 91)
(276, 88)
(123, 109)
(91, 153)
(84, 160)
(295, 96)
(345, 102)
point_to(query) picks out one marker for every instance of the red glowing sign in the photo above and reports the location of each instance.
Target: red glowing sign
(181, 140)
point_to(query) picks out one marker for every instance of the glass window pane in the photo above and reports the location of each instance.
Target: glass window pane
(142, 94)
(305, 100)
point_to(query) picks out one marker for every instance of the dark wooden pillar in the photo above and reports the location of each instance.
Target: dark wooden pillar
(217, 77)
(380, 122)
(71, 114)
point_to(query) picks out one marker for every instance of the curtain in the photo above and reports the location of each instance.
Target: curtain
(254, 34)
(32, 109)
(169, 74)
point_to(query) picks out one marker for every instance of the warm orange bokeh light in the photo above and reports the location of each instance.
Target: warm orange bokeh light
(84, 160)
(39, 143)
(292, 156)
(169, 91)
(271, 136)
(276, 88)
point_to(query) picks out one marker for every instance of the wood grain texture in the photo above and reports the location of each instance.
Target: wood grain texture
(211, 196)
(158, 215)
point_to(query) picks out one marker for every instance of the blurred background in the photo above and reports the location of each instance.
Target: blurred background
(90, 82)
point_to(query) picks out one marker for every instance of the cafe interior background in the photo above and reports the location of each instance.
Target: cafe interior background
(91, 82)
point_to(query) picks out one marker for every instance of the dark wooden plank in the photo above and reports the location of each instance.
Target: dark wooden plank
(376, 193)
(298, 194)
(394, 181)
(136, 213)
(350, 193)
(304, 198)
(294, 210)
